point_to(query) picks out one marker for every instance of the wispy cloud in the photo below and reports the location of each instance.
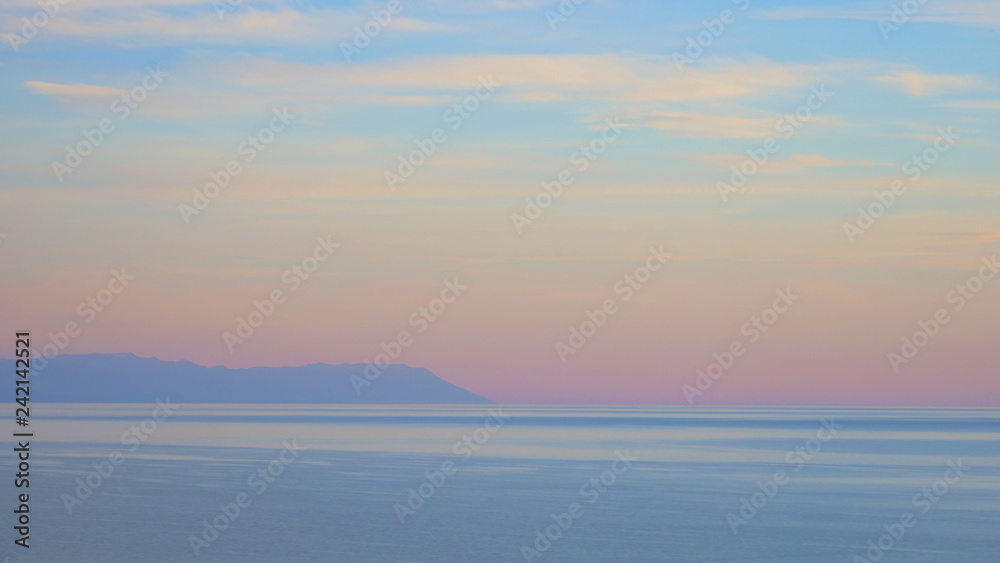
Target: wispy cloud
(697, 125)
(479, 6)
(971, 237)
(971, 13)
(73, 92)
(920, 84)
(643, 87)
(191, 22)
(792, 163)
(974, 104)
(611, 78)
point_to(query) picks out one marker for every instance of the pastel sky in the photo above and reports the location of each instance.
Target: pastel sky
(559, 79)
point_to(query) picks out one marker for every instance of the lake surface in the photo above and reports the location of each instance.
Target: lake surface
(459, 484)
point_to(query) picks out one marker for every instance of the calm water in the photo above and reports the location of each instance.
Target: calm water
(850, 475)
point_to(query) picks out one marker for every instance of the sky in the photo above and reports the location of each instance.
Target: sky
(724, 202)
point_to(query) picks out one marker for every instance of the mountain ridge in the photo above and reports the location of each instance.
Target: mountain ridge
(127, 378)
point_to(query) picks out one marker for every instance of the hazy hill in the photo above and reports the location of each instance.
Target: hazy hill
(127, 378)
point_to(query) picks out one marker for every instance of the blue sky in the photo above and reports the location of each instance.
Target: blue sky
(657, 183)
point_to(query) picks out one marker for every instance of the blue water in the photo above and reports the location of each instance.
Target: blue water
(338, 496)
